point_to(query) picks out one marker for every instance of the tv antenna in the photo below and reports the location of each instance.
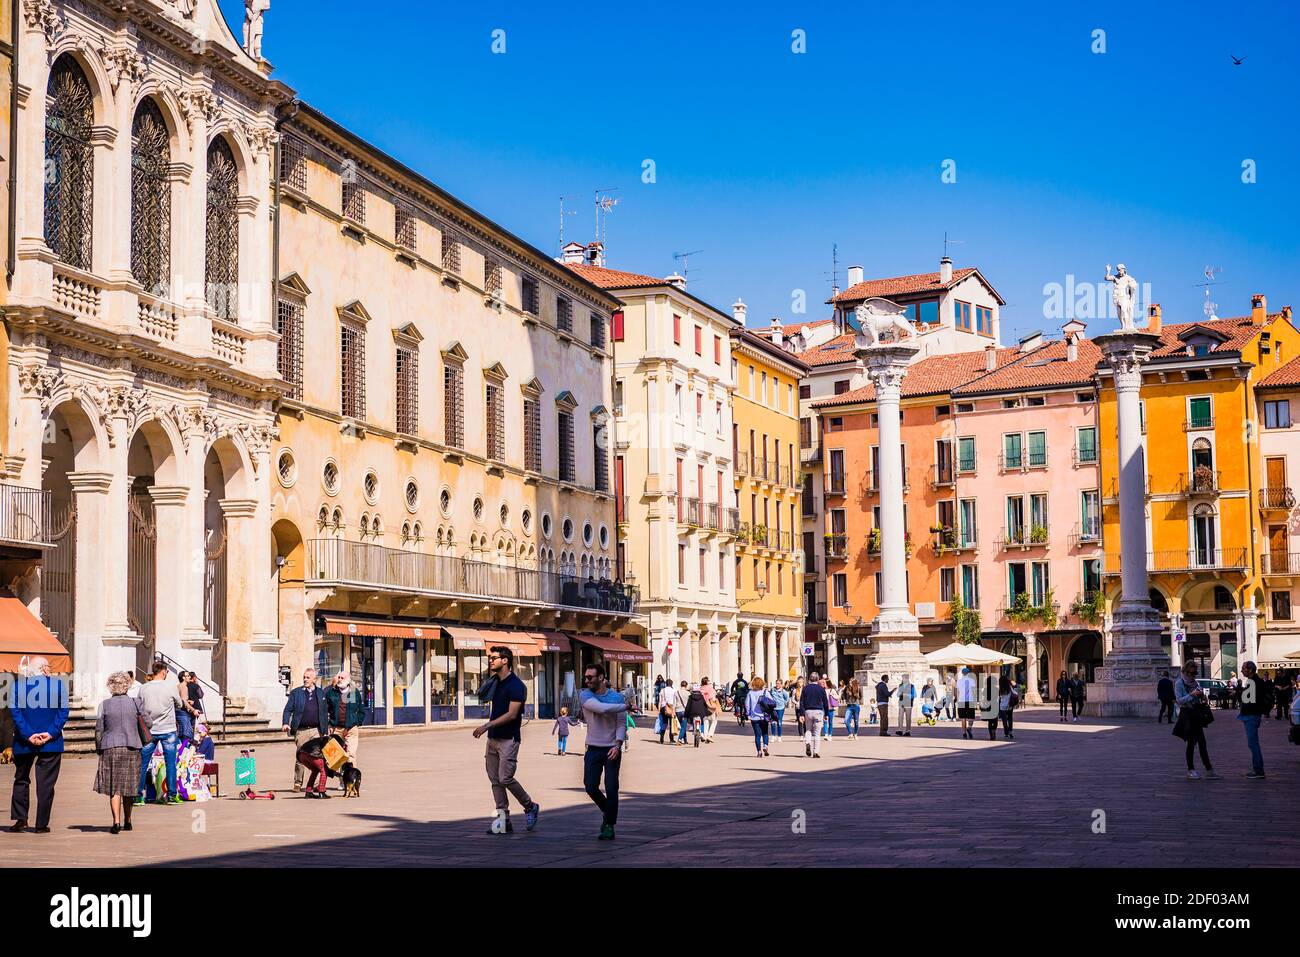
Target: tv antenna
(685, 260)
(1210, 307)
(950, 242)
(605, 204)
(564, 212)
(835, 268)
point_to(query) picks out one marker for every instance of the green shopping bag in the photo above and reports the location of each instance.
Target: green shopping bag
(245, 772)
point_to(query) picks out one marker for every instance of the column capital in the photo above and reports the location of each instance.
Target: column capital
(1125, 352)
(90, 481)
(238, 507)
(886, 364)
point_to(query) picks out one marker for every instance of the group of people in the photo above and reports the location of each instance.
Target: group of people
(311, 713)
(1071, 692)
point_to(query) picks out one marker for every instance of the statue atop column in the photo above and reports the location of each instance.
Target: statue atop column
(1124, 295)
(882, 321)
(253, 11)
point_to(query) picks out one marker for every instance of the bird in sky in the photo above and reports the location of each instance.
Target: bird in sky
(1237, 61)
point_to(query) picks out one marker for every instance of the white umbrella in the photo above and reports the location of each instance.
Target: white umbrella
(973, 655)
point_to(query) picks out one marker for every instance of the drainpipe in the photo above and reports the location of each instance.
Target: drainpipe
(11, 239)
(1250, 504)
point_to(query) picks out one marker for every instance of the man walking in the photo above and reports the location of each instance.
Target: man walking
(667, 701)
(950, 697)
(966, 702)
(39, 712)
(605, 711)
(814, 702)
(1282, 690)
(502, 729)
(883, 695)
(160, 703)
(1165, 692)
(906, 694)
(1256, 702)
(346, 714)
(306, 716)
(1078, 689)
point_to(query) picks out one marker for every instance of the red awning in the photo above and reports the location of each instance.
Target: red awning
(381, 629)
(470, 638)
(554, 641)
(616, 649)
(23, 636)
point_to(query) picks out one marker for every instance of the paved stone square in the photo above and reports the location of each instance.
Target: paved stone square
(931, 799)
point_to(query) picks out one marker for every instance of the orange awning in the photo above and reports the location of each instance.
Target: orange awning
(470, 638)
(616, 649)
(23, 636)
(381, 629)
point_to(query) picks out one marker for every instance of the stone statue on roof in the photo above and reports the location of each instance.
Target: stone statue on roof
(1124, 295)
(253, 11)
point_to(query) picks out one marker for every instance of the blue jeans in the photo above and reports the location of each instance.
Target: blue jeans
(828, 726)
(168, 742)
(760, 733)
(685, 724)
(1251, 721)
(564, 739)
(777, 717)
(851, 712)
(184, 725)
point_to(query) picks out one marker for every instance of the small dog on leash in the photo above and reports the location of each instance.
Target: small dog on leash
(351, 780)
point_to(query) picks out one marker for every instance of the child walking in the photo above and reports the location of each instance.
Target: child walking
(561, 728)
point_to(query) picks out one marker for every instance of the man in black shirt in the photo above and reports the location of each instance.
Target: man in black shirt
(882, 704)
(502, 729)
(1165, 692)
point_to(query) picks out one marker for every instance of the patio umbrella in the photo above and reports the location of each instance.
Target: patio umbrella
(973, 655)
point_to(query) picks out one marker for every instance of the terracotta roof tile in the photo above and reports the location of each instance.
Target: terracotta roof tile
(929, 376)
(839, 349)
(1287, 376)
(902, 285)
(613, 278)
(1044, 368)
(790, 328)
(1238, 331)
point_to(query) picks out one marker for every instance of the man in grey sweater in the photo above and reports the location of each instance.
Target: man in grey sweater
(605, 711)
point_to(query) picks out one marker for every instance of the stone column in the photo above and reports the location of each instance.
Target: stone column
(266, 645)
(746, 666)
(731, 660)
(94, 660)
(174, 560)
(896, 638)
(1032, 694)
(239, 515)
(760, 656)
(1123, 684)
(715, 658)
(833, 659)
(774, 668)
(785, 654)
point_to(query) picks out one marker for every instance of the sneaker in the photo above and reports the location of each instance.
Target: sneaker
(817, 755)
(765, 754)
(1211, 775)
(175, 799)
(322, 794)
(310, 795)
(530, 815)
(1193, 775)
(807, 750)
(297, 788)
(1255, 775)
(606, 832)
(138, 802)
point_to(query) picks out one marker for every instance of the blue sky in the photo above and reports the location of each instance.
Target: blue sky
(1065, 159)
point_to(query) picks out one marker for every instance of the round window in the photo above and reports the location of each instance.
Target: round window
(412, 495)
(330, 477)
(587, 534)
(546, 525)
(526, 521)
(370, 485)
(444, 502)
(604, 536)
(287, 468)
(567, 529)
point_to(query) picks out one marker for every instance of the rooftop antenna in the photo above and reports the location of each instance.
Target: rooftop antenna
(835, 268)
(685, 260)
(950, 242)
(564, 212)
(1210, 307)
(605, 204)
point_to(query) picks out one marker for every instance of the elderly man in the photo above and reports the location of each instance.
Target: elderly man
(306, 716)
(39, 712)
(347, 713)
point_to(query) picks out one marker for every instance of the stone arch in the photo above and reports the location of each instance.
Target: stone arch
(167, 105)
(70, 46)
(287, 543)
(161, 450)
(222, 129)
(236, 465)
(86, 436)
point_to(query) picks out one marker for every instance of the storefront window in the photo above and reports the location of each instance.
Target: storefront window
(408, 680)
(327, 660)
(475, 669)
(442, 676)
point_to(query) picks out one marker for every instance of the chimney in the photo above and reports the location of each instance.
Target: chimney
(1071, 349)
(1153, 317)
(990, 357)
(572, 254)
(1286, 313)
(678, 280)
(738, 308)
(855, 275)
(595, 254)
(945, 270)
(1258, 309)
(1030, 342)
(774, 331)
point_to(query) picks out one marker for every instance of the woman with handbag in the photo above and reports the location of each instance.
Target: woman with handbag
(119, 732)
(1193, 715)
(760, 706)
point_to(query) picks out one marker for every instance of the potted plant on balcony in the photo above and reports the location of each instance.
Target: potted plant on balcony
(1022, 610)
(743, 532)
(965, 621)
(907, 543)
(1203, 479)
(828, 540)
(873, 540)
(1088, 607)
(759, 535)
(1038, 535)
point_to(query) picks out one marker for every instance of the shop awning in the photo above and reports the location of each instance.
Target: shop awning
(554, 641)
(616, 649)
(469, 638)
(381, 629)
(1276, 651)
(23, 636)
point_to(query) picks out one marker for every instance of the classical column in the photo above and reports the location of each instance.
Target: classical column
(896, 638)
(239, 515)
(833, 659)
(731, 660)
(93, 658)
(746, 667)
(715, 658)
(1032, 694)
(784, 654)
(1122, 687)
(760, 656)
(174, 559)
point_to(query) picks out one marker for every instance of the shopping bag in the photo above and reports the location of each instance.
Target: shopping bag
(245, 772)
(334, 754)
(659, 724)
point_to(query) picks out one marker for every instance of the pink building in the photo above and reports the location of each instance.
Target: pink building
(1028, 496)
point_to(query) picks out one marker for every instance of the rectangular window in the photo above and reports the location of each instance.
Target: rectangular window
(1037, 449)
(677, 329)
(1083, 397)
(1277, 414)
(1036, 400)
(1091, 576)
(961, 315)
(967, 523)
(681, 564)
(965, 406)
(835, 478)
(966, 453)
(492, 278)
(1039, 583)
(616, 323)
(947, 584)
(450, 251)
(597, 329)
(1086, 439)
(293, 163)
(1017, 583)
(699, 340)
(789, 398)
(717, 350)
(563, 314)
(722, 571)
(970, 586)
(352, 369)
(805, 392)
(1089, 516)
(530, 298)
(842, 386)
(1012, 457)
(354, 200)
(1200, 413)
(718, 417)
(809, 552)
(568, 469)
(288, 323)
(1281, 605)
(762, 395)
(1038, 513)
(453, 405)
(699, 411)
(878, 588)
(404, 226)
(839, 590)
(835, 424)
(704, 554)
(925, 313)
(495, 409)
(984, 320)
(408, 378)
(532, 435)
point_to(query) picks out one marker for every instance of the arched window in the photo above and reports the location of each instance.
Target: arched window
(151, 200)
(69, 164)
(221, 268)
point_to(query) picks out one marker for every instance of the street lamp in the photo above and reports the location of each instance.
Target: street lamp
(760, 590)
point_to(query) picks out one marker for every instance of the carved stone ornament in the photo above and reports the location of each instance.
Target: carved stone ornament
(41, 381)
(114, 403)
(184, 7)
(41, 15)
(194, 103)
(260, 138)
(258, 437)
(122, 63)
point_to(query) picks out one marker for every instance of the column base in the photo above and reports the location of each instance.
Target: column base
(1125, 685)
(265, 693)
(896, 643)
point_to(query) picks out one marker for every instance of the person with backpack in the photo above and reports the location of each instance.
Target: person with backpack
(760, 706)
(739, 690)
(697, 710)
(1256, 703)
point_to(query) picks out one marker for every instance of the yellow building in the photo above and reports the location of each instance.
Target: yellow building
(1203, 503)
(769, 546)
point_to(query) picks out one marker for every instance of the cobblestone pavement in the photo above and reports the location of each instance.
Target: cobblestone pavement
(930, 799)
